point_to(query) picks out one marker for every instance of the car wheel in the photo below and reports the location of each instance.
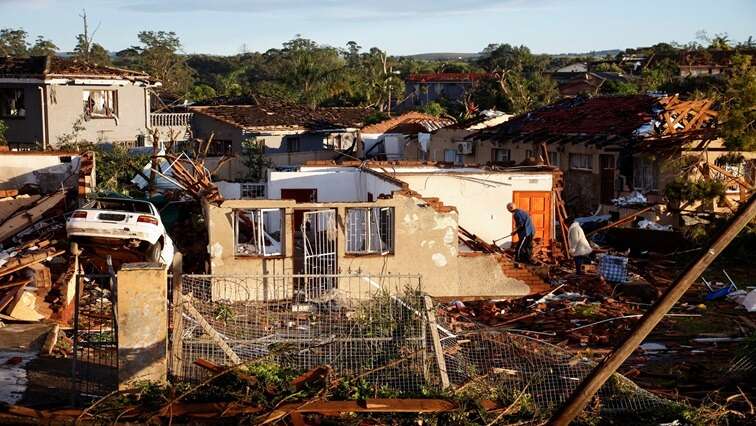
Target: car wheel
(153, 253)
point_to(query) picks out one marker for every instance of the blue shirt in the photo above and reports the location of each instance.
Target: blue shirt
(523, 223)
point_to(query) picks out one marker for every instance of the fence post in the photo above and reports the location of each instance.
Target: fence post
(176, 347)
(142, 318)
(437, 348)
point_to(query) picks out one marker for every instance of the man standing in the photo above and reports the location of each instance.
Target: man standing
(525, 231)
(579, 246)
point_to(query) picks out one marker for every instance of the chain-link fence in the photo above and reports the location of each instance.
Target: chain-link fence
(379, 328)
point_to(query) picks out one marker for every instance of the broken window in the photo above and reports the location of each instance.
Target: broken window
(251, 191)
(370, 230)
(258, 232)
(220, 147)
(500, 155)
(12, 103)
(581, 162)
(645, 174)
(100, 103)
(292, 144)
(554, 158)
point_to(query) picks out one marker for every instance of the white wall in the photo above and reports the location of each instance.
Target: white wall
(480, 198)
(48, 171)
(394, 144)
(333, 184)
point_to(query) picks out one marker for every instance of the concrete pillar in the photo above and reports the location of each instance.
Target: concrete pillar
(142, 315)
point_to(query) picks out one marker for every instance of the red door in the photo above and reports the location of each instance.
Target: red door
(538, 206)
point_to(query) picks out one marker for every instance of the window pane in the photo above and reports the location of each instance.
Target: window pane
(247, 232)
(357, 230)
(387, 229)
(258, 232)
(271, 220)
(374, 231)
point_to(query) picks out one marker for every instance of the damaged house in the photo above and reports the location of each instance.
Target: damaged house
(342, 219)
(397, 138)
(612, 145)
(449, 145)
(42, 99)
(290, 134)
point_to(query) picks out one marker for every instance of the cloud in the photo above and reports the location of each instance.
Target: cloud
(354, 9)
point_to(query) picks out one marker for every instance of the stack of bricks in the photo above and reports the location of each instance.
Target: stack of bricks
(523, 274)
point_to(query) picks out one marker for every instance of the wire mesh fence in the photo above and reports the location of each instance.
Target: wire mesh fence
(509, 363)
(380, 328)
(361, 323)
(95, 340)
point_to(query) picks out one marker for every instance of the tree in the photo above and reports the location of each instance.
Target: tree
(660, 73)
(43, 47)
(255, 160)
(200, 92)
(315, 72)
(616, 87)
(521, 84)
(721, 42)
(13, 42)
(86, 50)
(434, 109)
(738, 114)
(160, 57)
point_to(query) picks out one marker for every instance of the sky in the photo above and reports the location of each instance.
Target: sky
(399, 27)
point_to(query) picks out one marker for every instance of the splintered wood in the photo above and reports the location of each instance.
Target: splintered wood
(685, 116)
(195, 178)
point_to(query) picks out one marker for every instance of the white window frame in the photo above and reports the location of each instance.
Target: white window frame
(581, 165)
(252, 190)
(362, 241)
(261, 248)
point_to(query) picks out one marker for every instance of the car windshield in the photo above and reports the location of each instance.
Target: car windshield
(122, 206)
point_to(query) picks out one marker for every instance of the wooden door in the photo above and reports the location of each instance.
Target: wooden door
(538, 206)
(300, 196)
(606, 170)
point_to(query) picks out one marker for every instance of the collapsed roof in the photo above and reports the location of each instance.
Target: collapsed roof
(409, 123)
(608, 120)
(53, 66)
(270, 115)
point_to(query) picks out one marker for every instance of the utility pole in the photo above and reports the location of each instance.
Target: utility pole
(593, 382)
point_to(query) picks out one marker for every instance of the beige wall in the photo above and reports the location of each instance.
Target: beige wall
(669, 169)
(65, 106)
(426, 243)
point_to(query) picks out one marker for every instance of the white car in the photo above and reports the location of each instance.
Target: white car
(137, 223)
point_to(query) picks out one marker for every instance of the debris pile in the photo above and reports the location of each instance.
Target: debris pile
(33, 284)
(194, 178)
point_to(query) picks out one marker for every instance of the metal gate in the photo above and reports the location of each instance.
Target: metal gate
(319, 237)
(95, 340)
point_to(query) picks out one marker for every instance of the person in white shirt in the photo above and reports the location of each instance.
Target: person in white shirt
(579, 246)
